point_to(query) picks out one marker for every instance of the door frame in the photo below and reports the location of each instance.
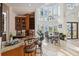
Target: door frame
(72, 30)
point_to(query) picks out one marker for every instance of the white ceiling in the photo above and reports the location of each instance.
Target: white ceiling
(23, 8)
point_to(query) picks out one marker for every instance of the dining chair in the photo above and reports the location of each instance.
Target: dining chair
(30, 48)
(56, 38)
(39, 46)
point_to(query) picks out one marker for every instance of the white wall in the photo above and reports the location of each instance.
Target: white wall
(10, 21)
(12, 15)
(62, 19)
(6, 10)
(52, 10)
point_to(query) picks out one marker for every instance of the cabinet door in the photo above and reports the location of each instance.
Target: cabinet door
(18, 23)
(27, 25)
(19, 51)
(32, 23)
(23, 23)
(13, 52)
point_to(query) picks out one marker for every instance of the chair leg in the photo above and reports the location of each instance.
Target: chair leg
(40, 51)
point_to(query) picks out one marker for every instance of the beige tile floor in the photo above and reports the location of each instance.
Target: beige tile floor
(66, 48)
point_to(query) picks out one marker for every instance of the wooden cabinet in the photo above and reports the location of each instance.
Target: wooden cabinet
(32, 23)
(26, 23)
(15, 52)
(20, 24)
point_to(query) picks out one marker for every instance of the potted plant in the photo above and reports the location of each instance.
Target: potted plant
(41, 35)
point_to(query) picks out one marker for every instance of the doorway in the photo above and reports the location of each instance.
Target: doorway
(72, 30)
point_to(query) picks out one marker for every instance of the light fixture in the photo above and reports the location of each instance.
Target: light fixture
(71, 6)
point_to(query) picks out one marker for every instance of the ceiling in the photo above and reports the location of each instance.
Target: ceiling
(23, 8)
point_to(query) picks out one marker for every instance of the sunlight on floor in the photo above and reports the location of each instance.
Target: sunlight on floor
(67, 48)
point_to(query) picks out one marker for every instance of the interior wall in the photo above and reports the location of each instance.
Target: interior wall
(12, 15)
(49, 20)
(69, 18)
(6, 10)
(10, 21)
(62, 19)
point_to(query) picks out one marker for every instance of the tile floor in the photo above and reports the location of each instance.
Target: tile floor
(66, 48)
